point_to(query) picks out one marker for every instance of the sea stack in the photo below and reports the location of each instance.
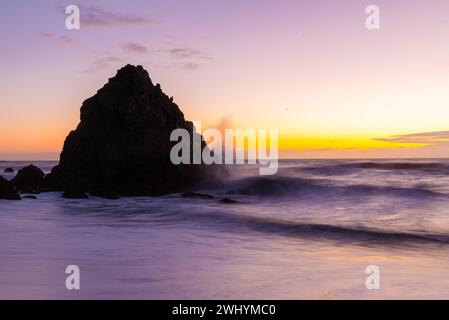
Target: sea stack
(121, 146)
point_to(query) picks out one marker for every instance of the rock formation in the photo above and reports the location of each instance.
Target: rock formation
(29, 180)
(121, 146)
(7, 191)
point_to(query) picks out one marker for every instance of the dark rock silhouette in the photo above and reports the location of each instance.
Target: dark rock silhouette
(122, 145)
(29, 179)
(8, 170)
(197, 195)
(228, 201)
(7, 191)
(53, 181)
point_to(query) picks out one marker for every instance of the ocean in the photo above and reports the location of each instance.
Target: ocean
(309, 232)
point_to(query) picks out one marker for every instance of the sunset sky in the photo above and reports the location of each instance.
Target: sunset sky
(312, 69)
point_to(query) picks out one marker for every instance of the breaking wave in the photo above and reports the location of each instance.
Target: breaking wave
(239, 222)
(347, 168)
(287, 186)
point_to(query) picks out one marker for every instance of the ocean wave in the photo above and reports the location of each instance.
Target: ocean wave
(340, 232)
(287, 186)
(347, 168)
(242, 222)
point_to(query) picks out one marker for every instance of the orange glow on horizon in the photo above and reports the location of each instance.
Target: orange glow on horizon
(339, 143)
(51, 138)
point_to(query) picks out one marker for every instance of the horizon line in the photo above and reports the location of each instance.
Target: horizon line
(323, 158)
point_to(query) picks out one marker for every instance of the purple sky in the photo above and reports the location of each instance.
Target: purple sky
(309, 68)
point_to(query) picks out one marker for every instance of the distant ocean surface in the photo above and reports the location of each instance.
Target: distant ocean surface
(308, 232)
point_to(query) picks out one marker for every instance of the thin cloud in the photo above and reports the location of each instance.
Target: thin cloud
(120, 54)
(51, 36)
(133, 47)
(187, 53)
(186, 66)
(65, 39)
(102, 63)
(95, 16)
(190, 66)
(420, 138)
(45, 34)
(187, 58)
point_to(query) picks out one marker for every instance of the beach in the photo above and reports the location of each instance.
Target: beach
(309, 232)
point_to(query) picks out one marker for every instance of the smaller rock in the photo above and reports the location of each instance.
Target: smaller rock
(8, 170)
(7, 191)
(228, 201)
(28, 179)
(196, 195)
(29, 197)
(53, 181)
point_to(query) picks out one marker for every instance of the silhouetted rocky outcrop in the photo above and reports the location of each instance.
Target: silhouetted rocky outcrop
(29, 179)
(7, 191)
(121, 146)
(8, 170)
